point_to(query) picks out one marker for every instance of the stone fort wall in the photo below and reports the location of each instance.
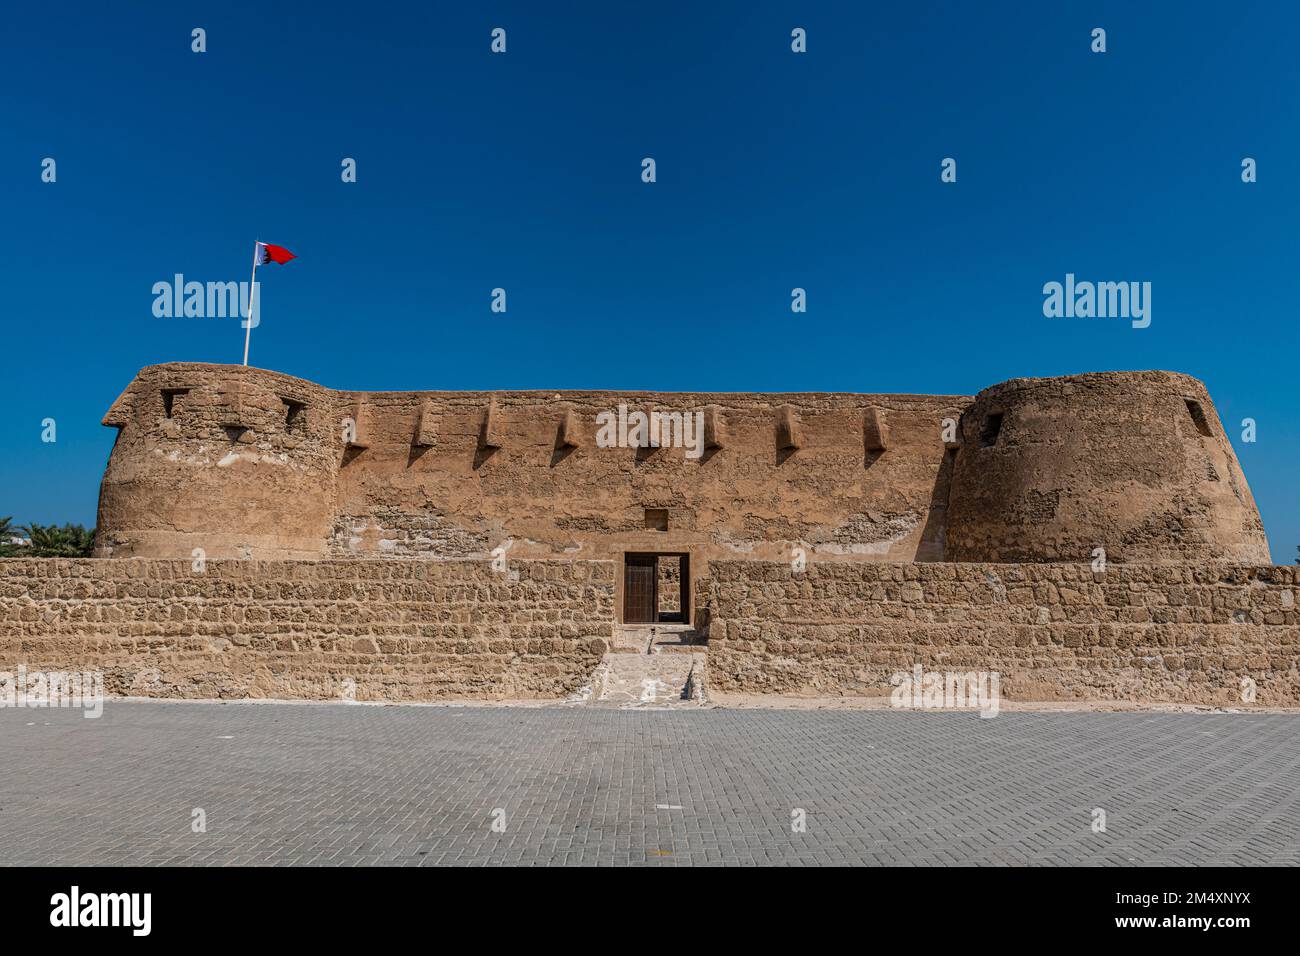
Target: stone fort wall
(297, 542)
(1136, 463)
(252, 464)
(1137, 633)
(245, 463)
(399, 630)
(442, 630)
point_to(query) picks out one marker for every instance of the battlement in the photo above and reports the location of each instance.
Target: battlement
(247, 463)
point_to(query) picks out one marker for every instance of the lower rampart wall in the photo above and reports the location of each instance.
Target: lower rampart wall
(1136, 633)
(436, 630)
(376, 630)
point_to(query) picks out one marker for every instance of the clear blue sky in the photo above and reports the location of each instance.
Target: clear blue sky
(522, 171)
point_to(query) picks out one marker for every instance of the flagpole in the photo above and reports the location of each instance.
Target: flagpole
(252, 300)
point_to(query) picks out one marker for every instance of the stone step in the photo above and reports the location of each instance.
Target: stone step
(641, 637)
(628, 681)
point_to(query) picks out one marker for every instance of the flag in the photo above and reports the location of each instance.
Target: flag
(263, 252)
(269, 253)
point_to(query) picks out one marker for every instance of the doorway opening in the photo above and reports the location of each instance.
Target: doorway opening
(656, 588)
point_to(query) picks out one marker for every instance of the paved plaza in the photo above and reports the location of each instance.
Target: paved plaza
(407, 785)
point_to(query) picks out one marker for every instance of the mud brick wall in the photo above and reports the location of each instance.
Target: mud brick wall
(381, 630)
(1138, 633)
(252, 464)
(455, 475)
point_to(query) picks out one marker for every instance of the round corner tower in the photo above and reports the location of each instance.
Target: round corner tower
(1135, 463)
(236, 461)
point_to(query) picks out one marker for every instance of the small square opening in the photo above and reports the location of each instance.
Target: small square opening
(989, 433)
(295, 417)
(169, 399)
(656, 519)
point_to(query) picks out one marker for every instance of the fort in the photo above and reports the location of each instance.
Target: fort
(1089, 537)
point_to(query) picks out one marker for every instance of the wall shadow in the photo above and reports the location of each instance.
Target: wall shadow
(933, 543)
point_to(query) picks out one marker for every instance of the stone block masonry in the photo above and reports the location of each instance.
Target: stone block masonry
(248, 463)
(375, 630)
(416, 629)
(1137, 633)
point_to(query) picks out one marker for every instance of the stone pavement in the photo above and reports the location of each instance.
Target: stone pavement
(356, 784)
(659, 681)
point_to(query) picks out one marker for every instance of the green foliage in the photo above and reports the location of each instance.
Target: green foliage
(7, 531)
(51, 541)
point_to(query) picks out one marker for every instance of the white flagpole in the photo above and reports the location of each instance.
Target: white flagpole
(252, 299)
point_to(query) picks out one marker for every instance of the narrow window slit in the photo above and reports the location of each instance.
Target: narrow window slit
(1198, 416)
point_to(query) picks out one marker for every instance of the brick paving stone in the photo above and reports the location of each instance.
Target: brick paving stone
(333, 784)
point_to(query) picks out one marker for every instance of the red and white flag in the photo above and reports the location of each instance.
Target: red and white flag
(269, 253)
(263, 252)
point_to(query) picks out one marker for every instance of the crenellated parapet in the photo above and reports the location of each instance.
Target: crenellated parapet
(247, 463)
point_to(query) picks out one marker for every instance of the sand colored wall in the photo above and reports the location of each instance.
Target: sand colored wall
(1138, 633)
(443, 630)
(455, 475)
(399, 630)
(223, 470)
(1135, 463)
(253, 464)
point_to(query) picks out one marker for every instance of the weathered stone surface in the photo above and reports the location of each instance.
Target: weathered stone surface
(1139, 633)
(715, 434)
(378, 630)
(1116, 461)
(875, 433)
(307, 495)
(359, 432)
(570, 432)
(789, 436)
(1135, 463)
(428, 630)
(426, 429)
(492, 435)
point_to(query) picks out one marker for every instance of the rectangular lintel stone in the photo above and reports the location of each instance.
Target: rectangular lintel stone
(491, 436)
(426, 429)
(360, 425)
(788, 433)
(570, 433)
(714, 428)
(875, 432)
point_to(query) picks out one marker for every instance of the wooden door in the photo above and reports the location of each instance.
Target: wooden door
(640, 581)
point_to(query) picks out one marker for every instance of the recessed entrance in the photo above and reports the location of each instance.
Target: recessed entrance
(656, 588)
